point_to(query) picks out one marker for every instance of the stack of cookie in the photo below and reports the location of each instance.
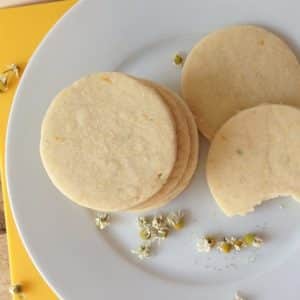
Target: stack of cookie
(226, 78)
(112, 142)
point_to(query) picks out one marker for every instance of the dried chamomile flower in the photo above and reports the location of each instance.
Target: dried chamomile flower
(211, 241)
(102, 220)
(3, 83)
(229, 243)
(144, 222)
(178, 59)
(252, 239)
(257, 243)
(159, 222)
(15, 289)
(205, 244)
(143, 251)
(249, 239)
(12, 70)
(238, 243)
(146, 233)
(225, 247)
(155, 229)
(162, 233)
(176, 220)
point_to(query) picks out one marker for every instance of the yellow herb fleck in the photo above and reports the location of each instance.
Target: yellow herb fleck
(106, 78)
(178, 59)
(225, 247)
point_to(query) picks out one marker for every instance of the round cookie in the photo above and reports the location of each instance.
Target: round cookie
(184, 179)
(255, 157)
(237, 68)
(183, 149)
(108, 142)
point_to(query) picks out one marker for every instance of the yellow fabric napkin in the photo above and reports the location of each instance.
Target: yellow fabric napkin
(21, 30)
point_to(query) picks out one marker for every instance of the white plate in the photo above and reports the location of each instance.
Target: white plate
(79, 262)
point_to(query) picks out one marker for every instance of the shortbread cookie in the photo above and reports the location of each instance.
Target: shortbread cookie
(255, 157)
(237, 68)
(108, 142)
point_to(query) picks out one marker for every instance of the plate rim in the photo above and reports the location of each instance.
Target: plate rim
(44, 40)
(9, 129)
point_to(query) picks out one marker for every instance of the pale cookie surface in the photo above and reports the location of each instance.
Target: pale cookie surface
(108, 142)
(184, 179)
(255, 157)
(237, 68)
(193, 158)
(183, 150)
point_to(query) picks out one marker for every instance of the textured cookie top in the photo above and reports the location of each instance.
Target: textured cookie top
(237, 68)
(108, 142)
(184, 148)
(255, 157)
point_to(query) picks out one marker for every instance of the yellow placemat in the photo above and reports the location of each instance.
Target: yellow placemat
(21, 30)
